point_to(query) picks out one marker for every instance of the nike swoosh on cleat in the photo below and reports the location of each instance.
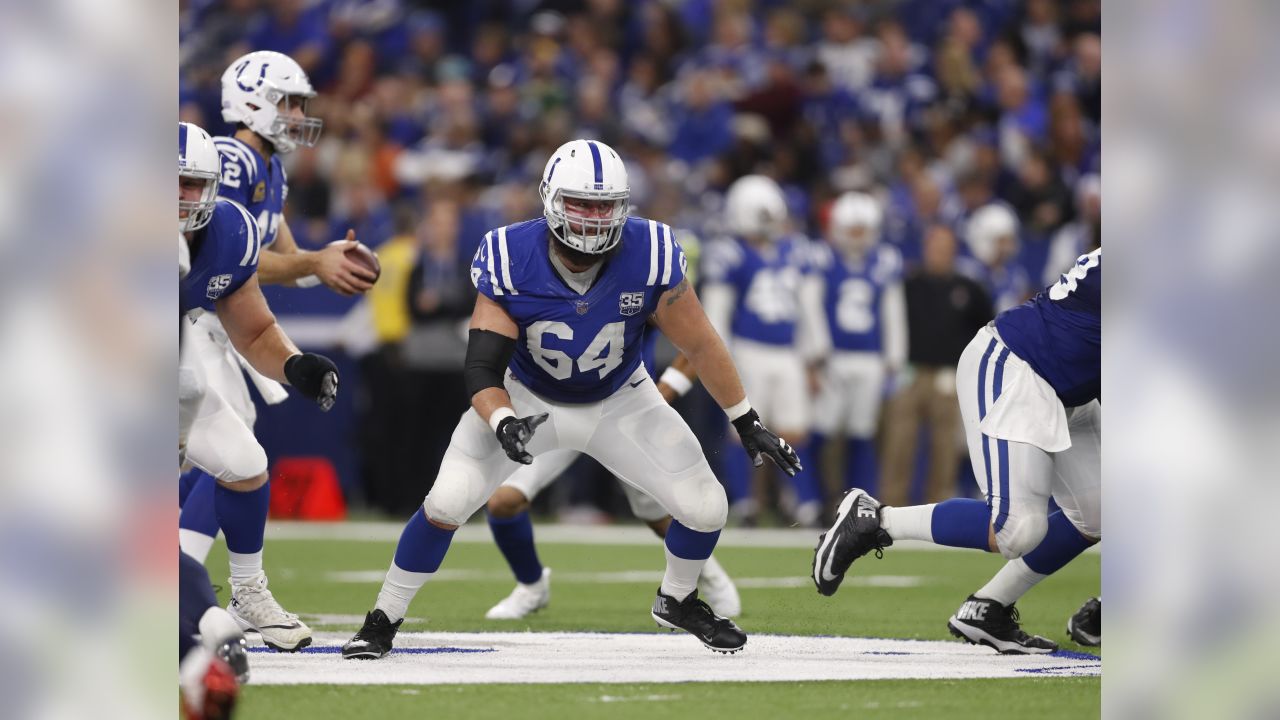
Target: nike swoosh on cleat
(294, 626)
(826, 569)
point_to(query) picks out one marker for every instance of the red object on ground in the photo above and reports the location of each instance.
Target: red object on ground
(306, 488)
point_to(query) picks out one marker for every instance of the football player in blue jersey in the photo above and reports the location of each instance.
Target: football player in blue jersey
(212, 660)
(991, 236)
(1031, 389)
(554, 362)
(266, 95)
(757, 298)
(224, 246)
(860, 282)
(508, 513)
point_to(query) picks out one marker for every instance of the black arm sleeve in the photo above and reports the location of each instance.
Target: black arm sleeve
(488, 354)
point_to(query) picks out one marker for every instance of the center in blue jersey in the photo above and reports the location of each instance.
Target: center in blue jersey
(224, 255)
(1059, 332)
(577, 348)
(260, 185)
(853, 291)
(766, 285)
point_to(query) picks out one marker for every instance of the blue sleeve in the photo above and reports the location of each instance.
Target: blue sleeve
(484, 270)
(679, 266)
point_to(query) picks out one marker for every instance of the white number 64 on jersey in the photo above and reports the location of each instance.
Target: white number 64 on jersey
(603, 354)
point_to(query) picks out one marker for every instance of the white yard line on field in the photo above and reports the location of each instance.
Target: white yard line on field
(660, 657)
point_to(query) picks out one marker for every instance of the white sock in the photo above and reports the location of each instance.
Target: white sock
(681, 577)
(712, 571)
(244, 566)
(1012, 582)
(914, 522)
(195, 544)
(398, 591)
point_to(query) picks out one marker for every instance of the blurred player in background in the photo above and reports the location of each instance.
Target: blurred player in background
(754, 294)
(1031, 402)
(223, 279)
(992, 238)
(1080, 236)
(860, 282)
(508, 513)
(554, 362)
(266, 95)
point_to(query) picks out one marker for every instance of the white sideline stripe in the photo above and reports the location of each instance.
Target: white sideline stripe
(646, 577)
(659, 657)
(477, 531)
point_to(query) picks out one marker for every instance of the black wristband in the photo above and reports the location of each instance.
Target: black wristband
(488, 354)
(746, 421)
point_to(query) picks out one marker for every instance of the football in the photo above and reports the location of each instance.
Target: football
(364, 257)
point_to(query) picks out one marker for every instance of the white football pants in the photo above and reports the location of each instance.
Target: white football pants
(633, 433)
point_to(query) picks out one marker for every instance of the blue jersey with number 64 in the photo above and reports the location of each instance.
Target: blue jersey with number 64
(577, 348)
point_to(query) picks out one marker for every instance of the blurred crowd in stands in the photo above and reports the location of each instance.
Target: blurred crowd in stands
(440, 115)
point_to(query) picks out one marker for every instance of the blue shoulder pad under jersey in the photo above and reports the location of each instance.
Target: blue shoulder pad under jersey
(766, 283)
(224, 254)
(577, 348)
(853, 292)
(261, 186)
(1059, 332)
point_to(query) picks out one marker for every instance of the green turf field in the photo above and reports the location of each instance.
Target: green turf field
(320, 577)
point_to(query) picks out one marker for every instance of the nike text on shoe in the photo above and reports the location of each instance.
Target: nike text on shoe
(986, 622)
(1085, 627)
(855, 533)
(524, 599)
(253, 606)
(373, 639)
(695, 617)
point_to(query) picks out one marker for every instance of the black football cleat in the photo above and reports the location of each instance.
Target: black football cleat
(234, 654)
(986, 622)
(1085, 627)
(374, 638)
(855, 533)
(695, 617)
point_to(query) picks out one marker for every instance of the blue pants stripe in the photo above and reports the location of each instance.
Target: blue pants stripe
(982, 412)
(1001, 445)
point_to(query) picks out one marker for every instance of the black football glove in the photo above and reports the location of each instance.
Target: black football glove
(514, 434)
(759, 441)
(314, 376)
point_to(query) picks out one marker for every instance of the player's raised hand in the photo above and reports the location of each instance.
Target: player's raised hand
(335, 268)
(514, 433)
(314, 376)
(760, 442)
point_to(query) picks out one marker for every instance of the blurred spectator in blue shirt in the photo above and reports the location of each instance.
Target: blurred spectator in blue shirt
(703, 122)
(292, 28)
(1082, 76)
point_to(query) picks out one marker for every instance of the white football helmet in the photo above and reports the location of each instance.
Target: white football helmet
(586, 170)
(198, 159)
(755, 207)
(855, 222)
(253, 88)
(992, 233)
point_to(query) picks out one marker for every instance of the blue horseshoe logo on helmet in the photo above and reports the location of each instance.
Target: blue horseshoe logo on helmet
(262, 75)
